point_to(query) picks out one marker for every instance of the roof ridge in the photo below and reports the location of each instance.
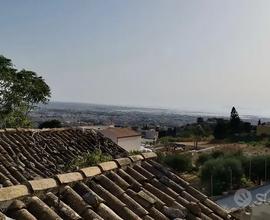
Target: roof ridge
(37, 129)
(32, 187)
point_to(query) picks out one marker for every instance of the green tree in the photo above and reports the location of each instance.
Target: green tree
(221, 174)
(235, 121)
(178, 162)
(198, 133)
(20, 92)
(51, 124)
(221, 129)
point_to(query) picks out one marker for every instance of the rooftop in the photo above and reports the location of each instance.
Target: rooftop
(28, 154)
(119, 132)
(135, 187)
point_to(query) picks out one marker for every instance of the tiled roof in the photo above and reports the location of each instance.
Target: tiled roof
(119, 132)
(27, 154)
(130, 188)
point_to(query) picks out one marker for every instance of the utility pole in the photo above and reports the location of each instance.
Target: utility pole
(265, 170)
(211, 183)
(250, 169)
(231, 178)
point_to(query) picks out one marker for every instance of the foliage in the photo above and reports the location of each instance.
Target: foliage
(234, 121)
(200, 120)
(134, 152)
(245, 170)
(221, 129)
(257, 168)
(20, 91)
(50, 124)
(218, 174)
(169, 132)
(234, 129)
(178, 162)
(88, 159)
(169, 139)
(203, 158)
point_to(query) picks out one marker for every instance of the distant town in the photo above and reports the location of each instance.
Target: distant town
(81, 114)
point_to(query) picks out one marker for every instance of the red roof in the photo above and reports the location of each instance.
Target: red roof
(119, 132)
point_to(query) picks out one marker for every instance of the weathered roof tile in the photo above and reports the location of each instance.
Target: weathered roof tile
(136, 158)
(13, 192)
(149, 155)
(40, 210)
(133, 188)
(106, 166)
(42, 184)
(90, 171)
(69, 177)
(123, 162)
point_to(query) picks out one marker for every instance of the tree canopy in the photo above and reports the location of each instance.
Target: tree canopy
(235, 121)
(20, 92)
(51, 124)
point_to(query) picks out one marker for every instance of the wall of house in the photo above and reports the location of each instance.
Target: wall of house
(112, 137)
(130, 143)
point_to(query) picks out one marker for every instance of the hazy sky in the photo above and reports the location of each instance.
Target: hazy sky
(193, 54)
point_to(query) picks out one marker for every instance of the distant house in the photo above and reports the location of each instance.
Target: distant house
(126, 138)
(151, 134)
(95, 127)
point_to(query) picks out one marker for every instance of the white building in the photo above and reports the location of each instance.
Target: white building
(126, 138)
(150, 134)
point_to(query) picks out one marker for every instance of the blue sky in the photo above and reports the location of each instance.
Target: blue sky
(192, 55)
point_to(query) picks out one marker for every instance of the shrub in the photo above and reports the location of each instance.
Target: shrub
(88, 159)
(203, 158)
(267, 143)
(222, 171)
(135, 152)
(217, 154)
(179, 162)
(257, 167)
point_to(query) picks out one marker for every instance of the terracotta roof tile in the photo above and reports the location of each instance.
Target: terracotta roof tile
(143, 189)
(106, 166)
(42, 184)
(13, 192)
(28, 154)
(119, 132)
(90, 171)
(104, 198)
(69, 177)
(123, 162)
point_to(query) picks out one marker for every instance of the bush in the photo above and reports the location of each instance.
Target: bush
(179, 162)
(217, 154)
(222, 171)
(203, 158)
(88, 159)
(221, 130)
(257, 167)
(244, 169)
